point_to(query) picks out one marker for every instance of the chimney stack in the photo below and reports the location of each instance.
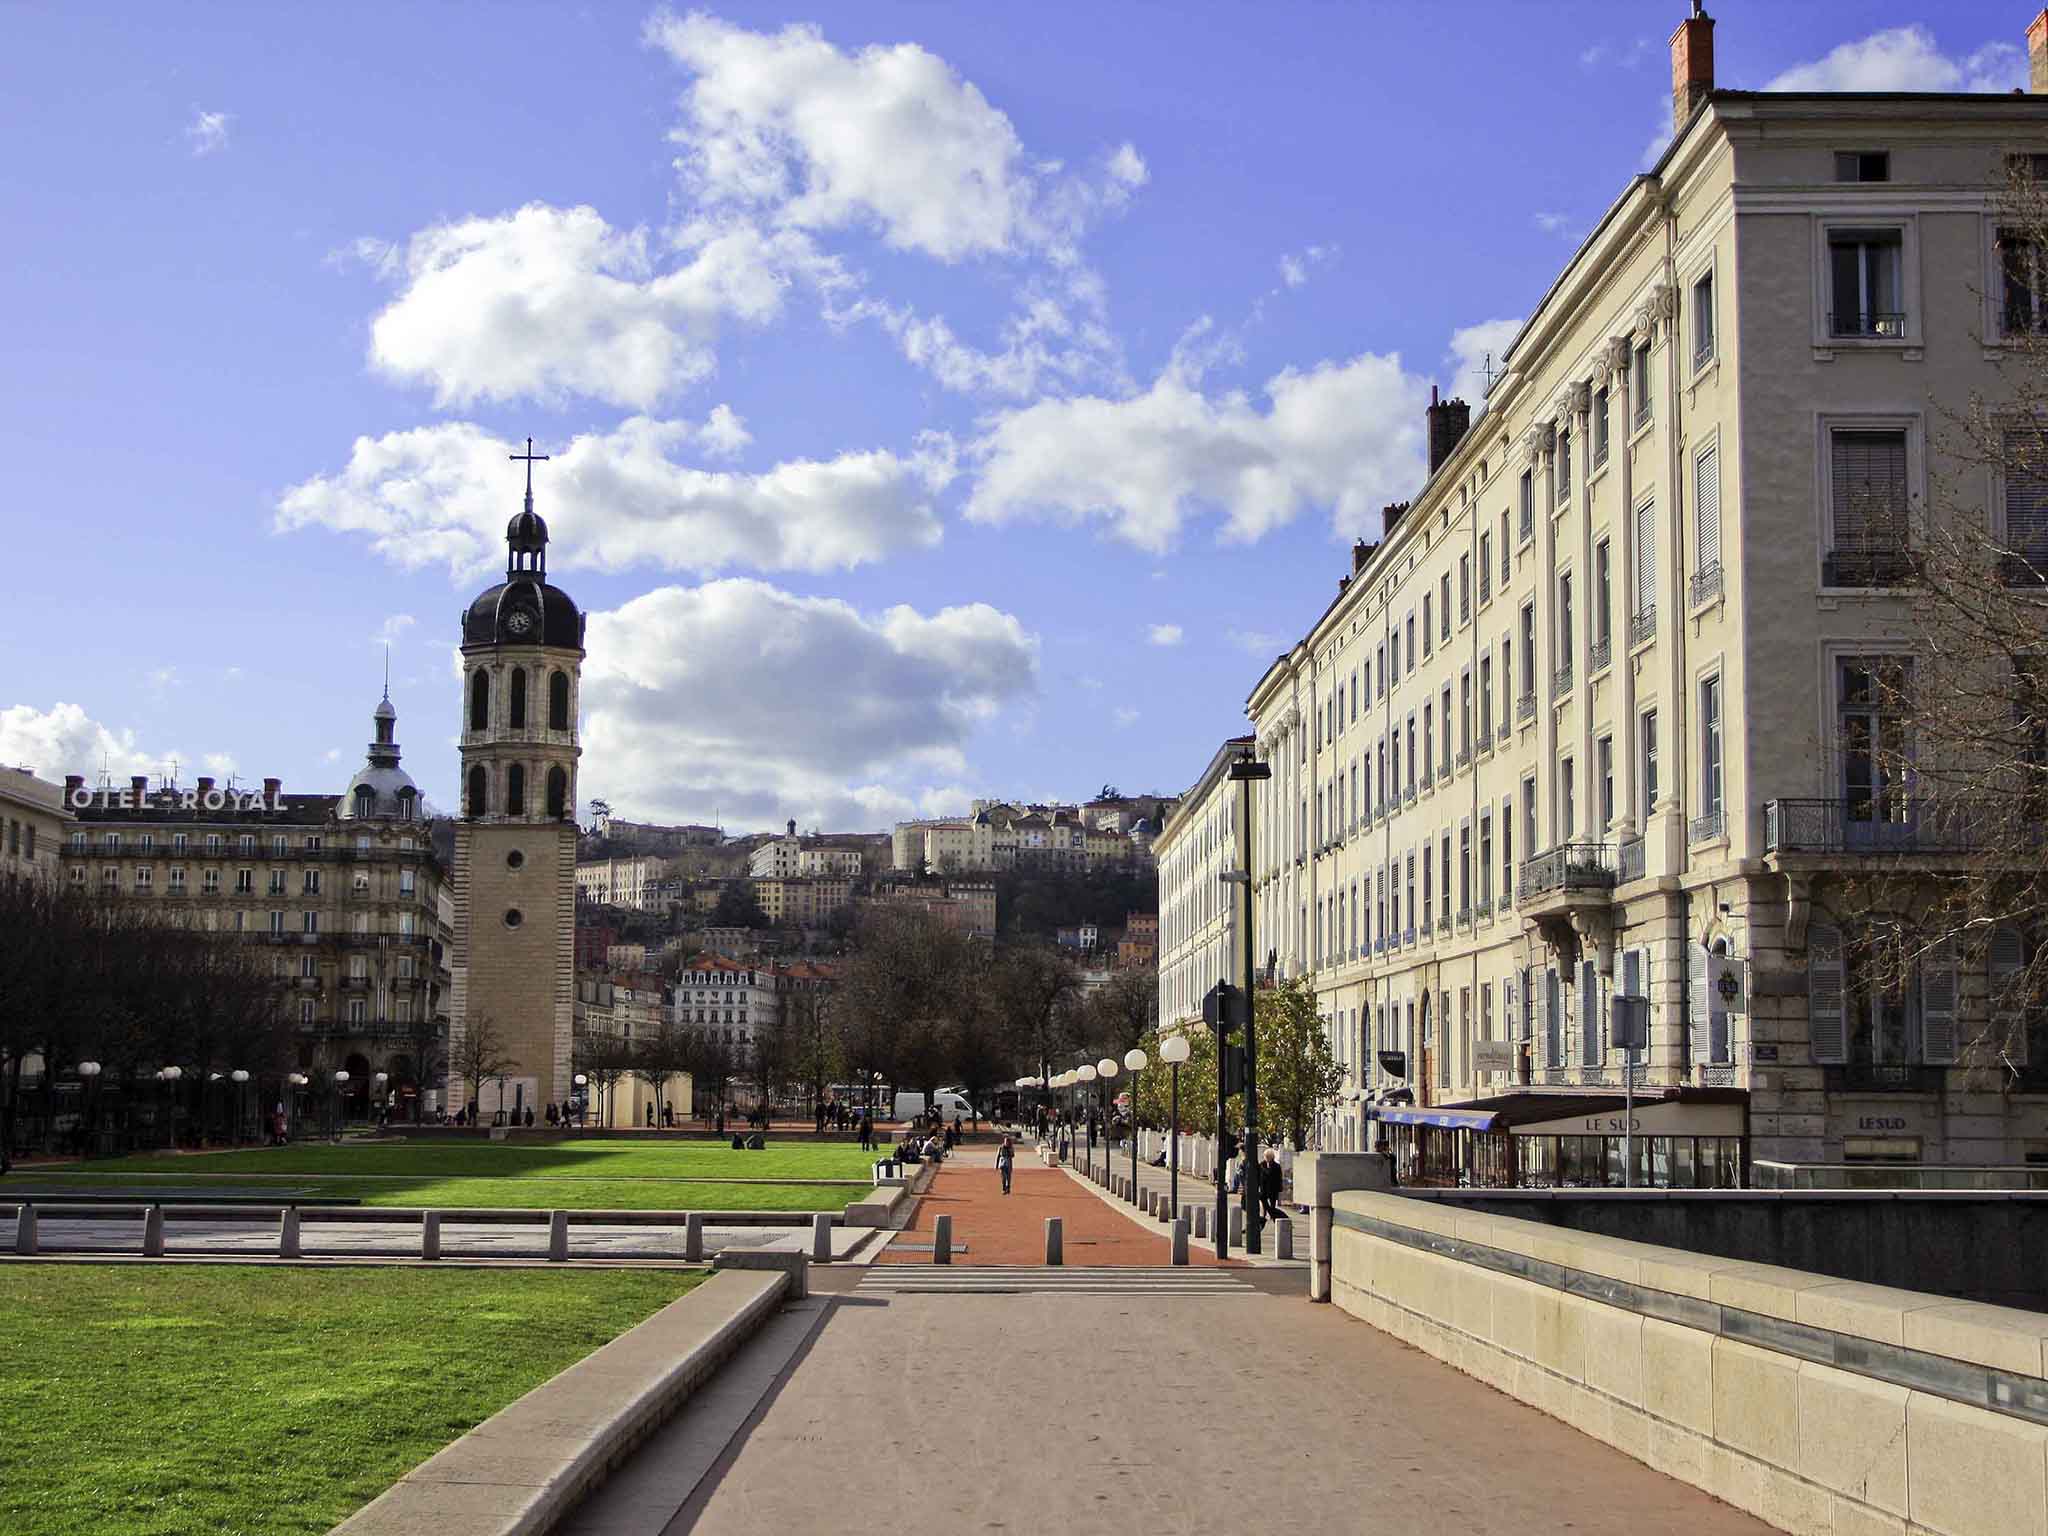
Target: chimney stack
(205, 785)
(138, 784)
(73, 781)
(271, 787)
(2037, 54)
(1692, 65)
(1391, 515)
(1360, 553)
(1449, 420)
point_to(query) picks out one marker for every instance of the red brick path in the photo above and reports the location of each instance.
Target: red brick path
(1010, 1229)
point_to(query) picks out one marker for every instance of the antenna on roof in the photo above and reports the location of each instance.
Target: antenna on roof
(387, 670)
(1486, 372)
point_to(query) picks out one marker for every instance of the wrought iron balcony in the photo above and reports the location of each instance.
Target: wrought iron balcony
(1408, 795)
(1706, 584)
(1867, 323)
(1603, 653)
(1407, 935)
(1642, 627)
(1893, 824)
(1507, 729)
(1485, 586)
(1443, 925)
(1464, 917)
(1630, 863)
(1561, 681)
(1525, 707)
(1569, 867)
(1705, 828)
(1866, 566)
(1465, 758)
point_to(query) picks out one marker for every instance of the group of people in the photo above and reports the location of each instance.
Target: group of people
(933, 1146)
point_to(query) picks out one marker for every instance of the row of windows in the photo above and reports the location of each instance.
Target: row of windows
(215, 843)
(358, 1012)
(245, 880)
(478, 802)
(515, 700)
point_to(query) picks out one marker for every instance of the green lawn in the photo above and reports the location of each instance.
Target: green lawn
(569, 1159)
(542, 1193)
(162, 1401)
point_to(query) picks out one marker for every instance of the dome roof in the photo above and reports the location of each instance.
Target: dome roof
(527, 531)
(391, 793)
(524, 611)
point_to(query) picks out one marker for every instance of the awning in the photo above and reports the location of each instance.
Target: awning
(1448, 1119)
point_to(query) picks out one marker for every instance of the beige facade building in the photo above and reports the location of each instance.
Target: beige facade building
(515, 846)
(1586, 722)
(637, 881)
(32, 823)
(1199, 913)
(803, 899)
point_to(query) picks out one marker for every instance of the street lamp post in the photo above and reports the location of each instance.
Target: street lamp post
(1136, 1061)
(1245, 769)
(295, 1081)
(582, 1099)
(90, 1071)
(1173, 1050)
(1084, 1075)
(340, 1101)
(1105, 1074)
(169, 1076)
(240, 1078)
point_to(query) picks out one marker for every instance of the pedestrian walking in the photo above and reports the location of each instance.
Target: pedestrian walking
(1006, 1161)
(1270, 1175)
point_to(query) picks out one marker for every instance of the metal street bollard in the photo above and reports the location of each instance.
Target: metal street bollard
(821, 1237)
(1237, 1225)
(942, 1239)
(430, 1234)
(1180, 1241)
(288, 1233)
(153, 1232)
(693, 1237)
(1283, 1238)
(1052, 1241)
(558, 1236)
(25, 1229)
(1202, 1222)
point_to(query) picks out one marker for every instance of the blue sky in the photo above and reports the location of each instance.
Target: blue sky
(945, 399)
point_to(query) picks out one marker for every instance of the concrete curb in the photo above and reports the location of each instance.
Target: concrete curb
(371, 1215)
(524, 1468)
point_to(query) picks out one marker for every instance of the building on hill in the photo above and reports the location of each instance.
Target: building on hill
(1594, 718)
(998, 836)
(726, 996)
(1085, 937)
(803, 901)
(792, 857)
(965, 906)
(1139, 946)
(631, 837)
(633, 881)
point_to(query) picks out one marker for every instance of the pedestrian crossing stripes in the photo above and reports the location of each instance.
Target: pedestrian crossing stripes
(1124, 1280)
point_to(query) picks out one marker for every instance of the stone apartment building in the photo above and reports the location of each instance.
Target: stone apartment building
(32, 823)
(1198, 918)
(1587, 720)
(346, 890)
(637, 881)
(998, 836)
(966, 906)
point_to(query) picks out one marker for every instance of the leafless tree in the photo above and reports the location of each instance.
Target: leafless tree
(481, 1056)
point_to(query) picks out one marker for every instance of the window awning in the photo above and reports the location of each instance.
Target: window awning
(1448, 1119)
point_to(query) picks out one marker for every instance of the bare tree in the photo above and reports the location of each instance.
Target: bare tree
(481, 1056)
(660, 1056)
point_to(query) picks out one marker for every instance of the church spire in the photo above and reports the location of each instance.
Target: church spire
(526, 538)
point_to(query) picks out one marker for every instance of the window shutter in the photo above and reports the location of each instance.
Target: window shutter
(1553, 1020)
(1707, 506)
(1592, 1038)
(1443, 1039)
(1698, 1039)
(1938, 1005)
(2008, 957)
(1869, 487)
(2026, 498)
(1646, 557)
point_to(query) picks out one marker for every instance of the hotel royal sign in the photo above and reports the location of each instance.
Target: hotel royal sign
(247, 802)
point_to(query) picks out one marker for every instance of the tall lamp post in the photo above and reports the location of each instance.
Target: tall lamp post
(1245, 770)
(1135, 1061)
(582, 1098)
(90, 1071)
(1105, 1074)
(340, 1101)
(1084, 1075)
(169, 1076)
(296, 1081)
(240, 1078)
(1173, 1050)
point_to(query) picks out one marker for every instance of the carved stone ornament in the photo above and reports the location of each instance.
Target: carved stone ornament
(1562, 408)
(1536, 441)
(1664, 300)
(1582, 398)
(1614, 356)
(1644, 327)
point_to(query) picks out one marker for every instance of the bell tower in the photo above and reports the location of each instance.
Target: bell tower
(514, 965)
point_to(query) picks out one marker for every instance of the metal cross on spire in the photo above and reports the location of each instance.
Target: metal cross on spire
(530, 458)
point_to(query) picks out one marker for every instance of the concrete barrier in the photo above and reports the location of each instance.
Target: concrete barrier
(25, 1230)
(942, 1239)
(288, 1233)
(1202, 1222)
(430, 1235)
(821, 1238)
(1053, 1245)
(558, 1237)
(881, 1207)
(153, 1232)
(693, 1238)
(1816, 1404)
(1283, 1238)
(1180, 1241)
(524, 1468)
(795, 1265)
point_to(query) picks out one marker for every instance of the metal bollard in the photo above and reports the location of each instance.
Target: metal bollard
(1283, 1238)
(1180, 1241)
(1202, 1221)
(288, 1233)
(1052, 1241)
(25, 1229)
(693, 1237)
(942, 1239)
(821, 1237)
(558, 1236)
(1237, 1225)
(430, 1234)
(153, 1232)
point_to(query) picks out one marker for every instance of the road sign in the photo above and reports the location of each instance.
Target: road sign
(1394, 1063)
(1628, 1026)
(1724, 984)
(1493, 1055)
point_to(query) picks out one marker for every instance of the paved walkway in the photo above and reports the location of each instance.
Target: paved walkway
(1117, 1408)
(1010, 1229)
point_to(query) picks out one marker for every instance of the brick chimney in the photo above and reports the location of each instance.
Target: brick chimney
(1449, 420)
(205, 785)
(139, 784)
(73, 782)
(271, 787)
(1360, 553)
(2037, 54)
(1392, 514)
(1692, 65)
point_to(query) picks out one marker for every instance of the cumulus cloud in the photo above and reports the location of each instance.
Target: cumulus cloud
(393, 629)
(207, 133)
(1907, 59)
(549, 303)
(790, 128)
(1164, 634)
(1124, 717)
(1347, 435)
(1046, 343)
(1295, 265)
(723, 433)
(1473, 349)
(737, 696)
(1553, 223)
(64, 739)
(1255, 642)
(441, 495)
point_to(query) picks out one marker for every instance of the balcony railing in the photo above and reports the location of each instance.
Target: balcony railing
(1866, 567)
(1561, 681)
(1485, 585)
(1408, 795)
(1603, 653)
(1867, 322)
(1642, 627)
(1443, 925)
(1711, 825)
(1629, 861)
(1465, 758)
(1507, 729)
(1702, 354)
(1525, 707)
(1569, 867)
(1893, 824)
(1706, 584)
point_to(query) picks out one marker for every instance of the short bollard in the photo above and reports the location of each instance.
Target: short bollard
(558, 1236)
(1283, 1238)
(942, 1239)
(1053, 1249)
(693, 1237)
(1202, 1222)
(153, 1232)
(430, 1234)
(1180, 1241)
(25, 1229)
(821, 1237)
(1237, 1225)
(288, 1233)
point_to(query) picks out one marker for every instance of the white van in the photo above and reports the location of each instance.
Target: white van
(950, 1105)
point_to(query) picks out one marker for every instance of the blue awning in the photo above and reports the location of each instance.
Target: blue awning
(1448, 1119)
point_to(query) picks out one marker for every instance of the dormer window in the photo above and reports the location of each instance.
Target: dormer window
(1863, 165)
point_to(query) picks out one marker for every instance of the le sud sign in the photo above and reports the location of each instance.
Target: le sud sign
(82, 799)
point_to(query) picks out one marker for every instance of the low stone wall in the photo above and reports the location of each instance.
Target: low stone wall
(1816, 1404)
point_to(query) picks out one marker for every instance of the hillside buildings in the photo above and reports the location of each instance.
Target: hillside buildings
(999, 836)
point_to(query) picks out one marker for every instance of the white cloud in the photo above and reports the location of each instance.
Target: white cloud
(393, 629)
(1619, 55)
(548, 303)
(207, 133)
(331, 755)
(789, 127)
(64, 739)
(1295, 265)
(220, 764)
(1553, 223)
(1045, 344)
(1473, 349)
(738, 696)
(1255, 642)
(1907, 59)
(1125, 716)
(440, 495)
(1347, 435)
(723, 434)
(1164, 634)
